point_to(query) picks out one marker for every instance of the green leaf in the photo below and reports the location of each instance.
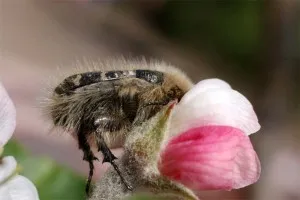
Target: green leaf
(52, 180)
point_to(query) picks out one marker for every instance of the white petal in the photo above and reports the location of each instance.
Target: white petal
(215, 106)
(7, 116)
(18, 188)
(7, 167)
(203, 86)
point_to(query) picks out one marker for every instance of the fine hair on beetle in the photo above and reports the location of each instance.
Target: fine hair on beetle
(100, 106)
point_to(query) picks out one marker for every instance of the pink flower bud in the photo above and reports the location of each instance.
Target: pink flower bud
(211, 157)
(210, 148)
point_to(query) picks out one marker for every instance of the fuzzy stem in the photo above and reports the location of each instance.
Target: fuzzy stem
(138, 165)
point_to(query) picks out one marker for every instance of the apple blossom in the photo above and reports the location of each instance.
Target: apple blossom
(7, 117)
(12, 185)
(209, 146)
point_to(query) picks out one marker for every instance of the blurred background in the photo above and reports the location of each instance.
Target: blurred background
(253, 45)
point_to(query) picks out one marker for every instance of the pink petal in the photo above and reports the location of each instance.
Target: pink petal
(211, 157)
(214, 106)
(7, 116)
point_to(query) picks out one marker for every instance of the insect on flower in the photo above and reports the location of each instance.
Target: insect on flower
(101, 107)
